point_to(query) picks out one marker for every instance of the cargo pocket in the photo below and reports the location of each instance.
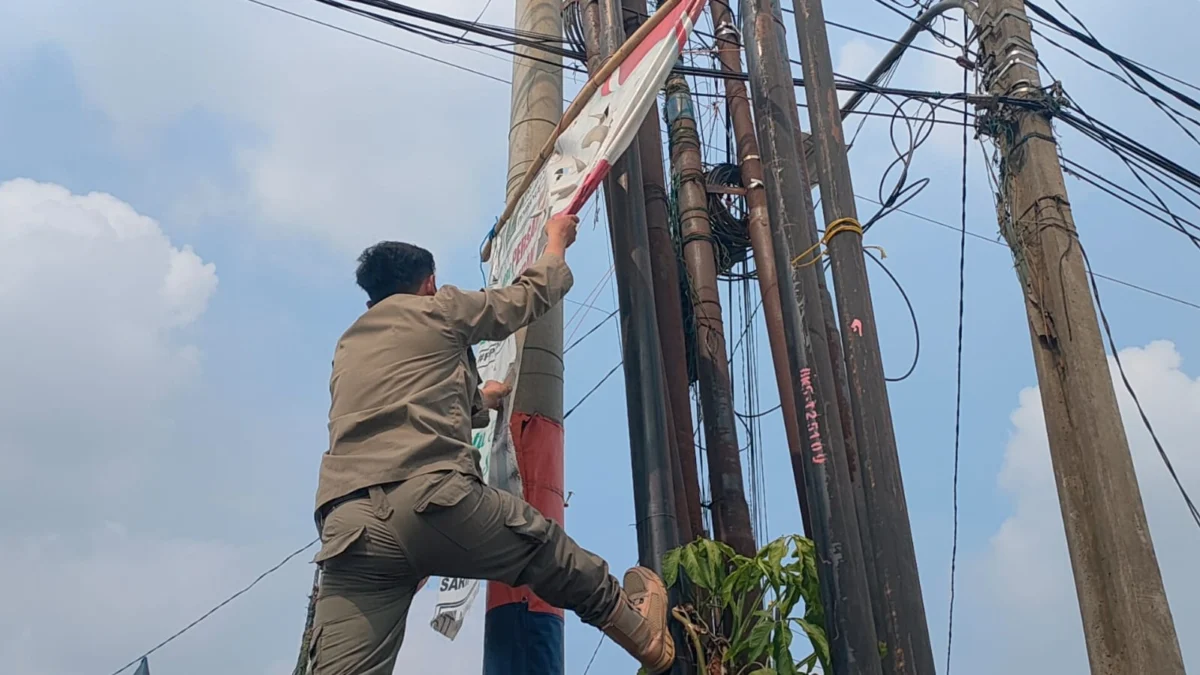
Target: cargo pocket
(337, 544)
(444, 491)
(528, 523)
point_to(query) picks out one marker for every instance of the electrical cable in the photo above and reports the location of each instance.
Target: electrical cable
(595, 328)
(212, 611)
(591, 391)
(377, 41)
(912, 313)
(553, 45)
(1120, 282)
(962, 285)
(758, 415)
(1090, 40)
(1112, 345)
(1171, 112)
(592, 660)
(1122, 146)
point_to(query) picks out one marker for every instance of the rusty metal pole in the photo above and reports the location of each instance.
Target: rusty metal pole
(844, 587)
(896, 597)
(647, 403)
(664, 265)
(737, 102)
(657, 527)
(731, 514)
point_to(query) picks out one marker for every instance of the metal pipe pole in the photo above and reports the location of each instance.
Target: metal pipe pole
(729, 50)
(844, 587)
(919, 24)
(645, 389)
(1127, 623)
(523, 633)
(664, 265)
(731, 514)
(649, 446)
(897, 600)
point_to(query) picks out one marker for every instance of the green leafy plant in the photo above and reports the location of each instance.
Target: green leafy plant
(741, 619)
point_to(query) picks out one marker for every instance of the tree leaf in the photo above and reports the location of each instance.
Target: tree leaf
(820, 643)
(755, 645)
(671, 567)
(775, 552)
(715, 562)
(692, 567)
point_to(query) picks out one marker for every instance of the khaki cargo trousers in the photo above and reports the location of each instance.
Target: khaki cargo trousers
(377, 547)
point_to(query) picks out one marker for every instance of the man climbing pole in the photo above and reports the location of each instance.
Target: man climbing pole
(400, 497)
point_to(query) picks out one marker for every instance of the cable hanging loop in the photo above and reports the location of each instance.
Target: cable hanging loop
(835, 228)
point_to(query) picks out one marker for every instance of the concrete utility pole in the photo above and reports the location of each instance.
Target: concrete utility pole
(664, 266)
(823, 470)
(523, 633)
(899, 607)
(731, 514)
(1127, 622)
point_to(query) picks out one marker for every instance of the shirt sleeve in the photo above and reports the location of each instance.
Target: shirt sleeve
(495, 313)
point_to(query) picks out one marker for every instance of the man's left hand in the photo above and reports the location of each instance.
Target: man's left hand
(493, 393)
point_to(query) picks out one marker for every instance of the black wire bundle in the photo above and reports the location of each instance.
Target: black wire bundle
(1146, 165)
(573, 26)
(728, 219)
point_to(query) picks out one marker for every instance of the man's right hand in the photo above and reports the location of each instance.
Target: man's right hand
(560, 233)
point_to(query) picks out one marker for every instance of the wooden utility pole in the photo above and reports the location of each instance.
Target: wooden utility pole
(899, 607)
(823, 468)
(1127, 622)
(664, 265)
(731, 514)
(306, 637)
(523, 633)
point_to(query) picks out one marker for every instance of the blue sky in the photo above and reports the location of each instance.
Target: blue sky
(166, 382)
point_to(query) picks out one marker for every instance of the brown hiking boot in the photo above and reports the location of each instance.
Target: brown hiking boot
(639, 623)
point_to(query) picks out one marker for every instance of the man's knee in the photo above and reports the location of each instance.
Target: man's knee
(569, 576)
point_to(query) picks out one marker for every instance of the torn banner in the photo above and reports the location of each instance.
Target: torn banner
(582, 156)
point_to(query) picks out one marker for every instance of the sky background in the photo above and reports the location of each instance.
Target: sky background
(184, 188)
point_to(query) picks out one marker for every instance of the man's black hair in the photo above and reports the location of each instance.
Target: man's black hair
(392, 267)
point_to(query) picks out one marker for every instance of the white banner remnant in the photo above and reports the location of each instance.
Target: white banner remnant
(582, 157)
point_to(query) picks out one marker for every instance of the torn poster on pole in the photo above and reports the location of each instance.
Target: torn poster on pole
(595, 131)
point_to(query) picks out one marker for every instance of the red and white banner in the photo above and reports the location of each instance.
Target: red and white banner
(582, 157)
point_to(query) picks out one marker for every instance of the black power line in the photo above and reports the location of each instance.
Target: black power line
(212, 611)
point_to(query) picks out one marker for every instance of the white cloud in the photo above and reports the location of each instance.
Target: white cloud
(1021, 591)
(350, 141)
(92, 297)
(96, 302)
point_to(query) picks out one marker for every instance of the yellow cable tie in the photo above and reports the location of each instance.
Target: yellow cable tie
(836, 227)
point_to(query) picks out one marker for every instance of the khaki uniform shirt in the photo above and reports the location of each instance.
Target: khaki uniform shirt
(404, 387)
